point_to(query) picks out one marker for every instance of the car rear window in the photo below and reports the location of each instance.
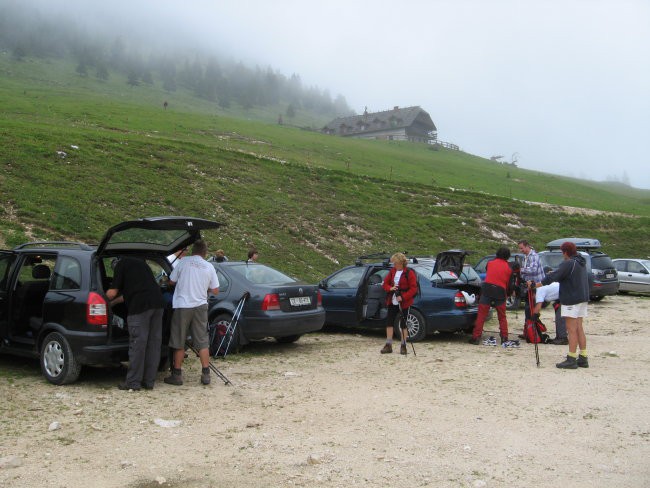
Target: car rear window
(601, 262)
(260, 274)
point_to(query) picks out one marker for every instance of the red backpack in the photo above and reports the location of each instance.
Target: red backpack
(535, 331)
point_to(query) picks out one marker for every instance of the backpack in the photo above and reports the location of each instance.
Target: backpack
(535, 332)
(216, 334)
(515, 278)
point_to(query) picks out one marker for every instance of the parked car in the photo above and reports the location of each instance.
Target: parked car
(277, 306)
(514, 301)
(52, 294)
(603, 277)
(354, 297)
(633, 274)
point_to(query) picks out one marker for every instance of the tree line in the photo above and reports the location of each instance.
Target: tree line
(27, 33)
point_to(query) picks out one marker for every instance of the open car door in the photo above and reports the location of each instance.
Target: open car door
(159, 234)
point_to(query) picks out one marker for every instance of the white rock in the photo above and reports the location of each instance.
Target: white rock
(10, 462)
(54, 426)
(161, 480)
(314, 459)
(74, 146)
(167, 423)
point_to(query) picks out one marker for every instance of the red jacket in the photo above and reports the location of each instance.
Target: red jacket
(408, 286)
(498, 273)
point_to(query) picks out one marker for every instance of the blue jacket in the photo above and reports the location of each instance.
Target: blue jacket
(573, 280)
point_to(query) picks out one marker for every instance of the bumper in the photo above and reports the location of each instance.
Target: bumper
(452, 320)
(283, 324)
(601, 289)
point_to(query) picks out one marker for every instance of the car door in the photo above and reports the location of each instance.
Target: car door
(636, 276)
(340, 293)
(7, 258)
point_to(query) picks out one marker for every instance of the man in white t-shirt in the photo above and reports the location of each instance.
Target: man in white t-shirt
(193, 278)
(551, 294)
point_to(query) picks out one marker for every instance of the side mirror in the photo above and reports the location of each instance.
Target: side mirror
(323, 284)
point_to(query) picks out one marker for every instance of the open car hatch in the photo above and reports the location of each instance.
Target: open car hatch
(451, 261)
(159, 234)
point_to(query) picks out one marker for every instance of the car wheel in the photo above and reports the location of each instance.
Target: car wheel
(596, 298)
(288, 339)
(58, 362)
(513, 302)
(417, 327)
(224, 320)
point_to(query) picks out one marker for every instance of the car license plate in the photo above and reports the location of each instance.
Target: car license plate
(298, 301)
(609, 276)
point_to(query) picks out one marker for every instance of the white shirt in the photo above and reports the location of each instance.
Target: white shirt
(193, 276)
(398, 275)
(548, 293)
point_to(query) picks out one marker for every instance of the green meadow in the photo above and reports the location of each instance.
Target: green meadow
(309, 202)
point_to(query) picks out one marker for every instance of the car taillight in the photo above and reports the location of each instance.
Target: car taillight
(271, 302)
(96, 310)
(459, 300)
(319, 299)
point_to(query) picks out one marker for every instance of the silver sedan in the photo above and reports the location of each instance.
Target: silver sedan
(633, 274)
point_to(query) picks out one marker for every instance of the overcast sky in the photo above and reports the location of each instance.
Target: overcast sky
(561, 86)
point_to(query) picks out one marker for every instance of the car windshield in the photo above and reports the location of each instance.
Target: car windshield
(646, 263)
(261, 274)
(551, 259)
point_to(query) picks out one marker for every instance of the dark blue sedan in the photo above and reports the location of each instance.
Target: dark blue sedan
(354, 296)
(277, 306)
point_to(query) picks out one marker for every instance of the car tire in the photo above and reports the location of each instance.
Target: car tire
(596, 298)
(58, 363)
(288, 339)
(417, 327)
(225, 319)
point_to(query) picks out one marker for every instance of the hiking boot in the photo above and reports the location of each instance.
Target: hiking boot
(560, 341)
(490, 341)
(474, 341)
(582, 361)
(205, 376)
(147, 386)
(568, 363)
(402, 349)
(387, 349)
(124, 386)
(176, 378)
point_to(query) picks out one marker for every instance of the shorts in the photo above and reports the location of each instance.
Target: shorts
(576, 311)
(196, 319)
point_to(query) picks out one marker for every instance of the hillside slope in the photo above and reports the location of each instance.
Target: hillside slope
(307, 201)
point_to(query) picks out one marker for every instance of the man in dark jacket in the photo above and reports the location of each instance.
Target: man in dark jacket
(574, 296)
(134, 281)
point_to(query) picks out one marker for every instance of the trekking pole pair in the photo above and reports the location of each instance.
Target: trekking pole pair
(232, 325)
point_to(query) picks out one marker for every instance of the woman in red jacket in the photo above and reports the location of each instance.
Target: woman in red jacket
(401, 286)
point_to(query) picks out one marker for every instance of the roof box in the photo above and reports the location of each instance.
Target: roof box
(581, 243)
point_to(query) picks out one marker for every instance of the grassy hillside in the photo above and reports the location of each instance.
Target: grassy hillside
(306, 200)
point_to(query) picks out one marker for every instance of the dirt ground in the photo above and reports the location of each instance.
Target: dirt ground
(330, 411)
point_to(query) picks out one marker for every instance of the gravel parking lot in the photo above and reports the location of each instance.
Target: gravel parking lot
(330, 411)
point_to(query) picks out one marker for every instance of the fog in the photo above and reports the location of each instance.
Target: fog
(557, 86)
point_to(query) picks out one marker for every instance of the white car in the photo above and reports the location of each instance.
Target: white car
(633, 274)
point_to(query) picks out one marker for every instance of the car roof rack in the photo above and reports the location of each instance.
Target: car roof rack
(37, 244)
(582, 244)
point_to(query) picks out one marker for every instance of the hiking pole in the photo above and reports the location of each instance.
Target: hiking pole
(232, 326)
(407, 329)
(533, 324)
(212, 366)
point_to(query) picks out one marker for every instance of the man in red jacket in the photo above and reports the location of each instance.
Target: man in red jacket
(493, 294)
(401, 286)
